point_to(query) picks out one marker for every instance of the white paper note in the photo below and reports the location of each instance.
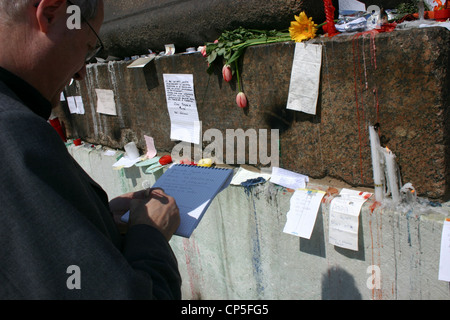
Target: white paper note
(141, 62)
(344, 218)
(126, 162)
(151, 150)
(302, 214)
(75, 104)
(182, 106)
(305, 78)
(288, 179)
(444, 263)
(105, 102)
(243, 175)
(351, 5)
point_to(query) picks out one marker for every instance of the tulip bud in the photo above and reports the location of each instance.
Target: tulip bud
(203, 51)
(241, 100)
(227, 73)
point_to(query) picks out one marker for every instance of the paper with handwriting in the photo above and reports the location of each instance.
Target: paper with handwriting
(302, 214)
(182, 106)
(344, 218)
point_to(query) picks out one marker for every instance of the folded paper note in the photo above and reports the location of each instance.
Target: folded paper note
(75, 104)
(105, 102)
(302, 214)
(288, 179)
(305, 78)
(344, 218)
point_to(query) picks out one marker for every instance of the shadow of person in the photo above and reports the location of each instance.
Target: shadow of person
(338, 284)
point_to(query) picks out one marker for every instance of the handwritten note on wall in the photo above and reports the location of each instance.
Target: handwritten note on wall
(182, 106)
(75, 104)
(302, 214)
(105, 102)
(305, 78)
(344, 218)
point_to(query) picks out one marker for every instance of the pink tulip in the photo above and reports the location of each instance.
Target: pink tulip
(227, 73)
(241, 100)
(203, 51)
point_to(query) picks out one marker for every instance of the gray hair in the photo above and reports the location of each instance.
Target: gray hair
(15, 10)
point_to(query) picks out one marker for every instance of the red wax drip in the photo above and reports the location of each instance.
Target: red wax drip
(329, 14)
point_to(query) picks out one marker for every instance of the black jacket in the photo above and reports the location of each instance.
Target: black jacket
(53, 216)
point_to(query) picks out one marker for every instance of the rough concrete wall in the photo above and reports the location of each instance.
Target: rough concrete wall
(239, 250)
(399, 80)
(133, 27)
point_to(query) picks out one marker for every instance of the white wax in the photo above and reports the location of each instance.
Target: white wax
(376, 164)
(392, 174)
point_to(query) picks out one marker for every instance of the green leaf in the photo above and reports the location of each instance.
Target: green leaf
(212, 57)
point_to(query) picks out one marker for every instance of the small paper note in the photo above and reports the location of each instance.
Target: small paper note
(109, 153)
(105, 102)
(141, 62)
(243, 175)
(351, 6)
(288, 179)
(151, 150)
(182, 106)
(344, 218)
(305, 78)
(302, 214)
(75, 104)
(444, 262)
(125, 162)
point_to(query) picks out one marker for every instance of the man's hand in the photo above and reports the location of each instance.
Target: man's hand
(151, 206)
(161, 211)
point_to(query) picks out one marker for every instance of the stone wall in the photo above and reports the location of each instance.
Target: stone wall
(399, 80)
(239, 250)
(133, 27)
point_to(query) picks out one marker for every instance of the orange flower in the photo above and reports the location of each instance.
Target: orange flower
(303, 28)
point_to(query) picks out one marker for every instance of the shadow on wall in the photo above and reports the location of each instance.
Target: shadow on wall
(338, 284)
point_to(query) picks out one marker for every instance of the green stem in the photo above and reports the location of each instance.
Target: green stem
(237, 75)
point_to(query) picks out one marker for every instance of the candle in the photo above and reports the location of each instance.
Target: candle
(391, 168)
(376, 164)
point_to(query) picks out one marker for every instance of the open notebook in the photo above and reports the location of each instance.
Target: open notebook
(193, 188)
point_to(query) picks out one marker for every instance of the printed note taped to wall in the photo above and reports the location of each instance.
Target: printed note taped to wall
(105, 102)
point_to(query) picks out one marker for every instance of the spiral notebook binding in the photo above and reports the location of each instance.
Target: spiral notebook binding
(190, 165)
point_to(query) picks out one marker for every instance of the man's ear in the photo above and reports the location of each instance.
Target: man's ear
(48, 11)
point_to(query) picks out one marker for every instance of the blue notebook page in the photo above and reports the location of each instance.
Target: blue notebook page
(193, 188)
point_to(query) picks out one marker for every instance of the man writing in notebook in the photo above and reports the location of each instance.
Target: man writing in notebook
(58, 239)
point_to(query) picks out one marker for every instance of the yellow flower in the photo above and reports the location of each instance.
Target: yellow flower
(303, 28)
